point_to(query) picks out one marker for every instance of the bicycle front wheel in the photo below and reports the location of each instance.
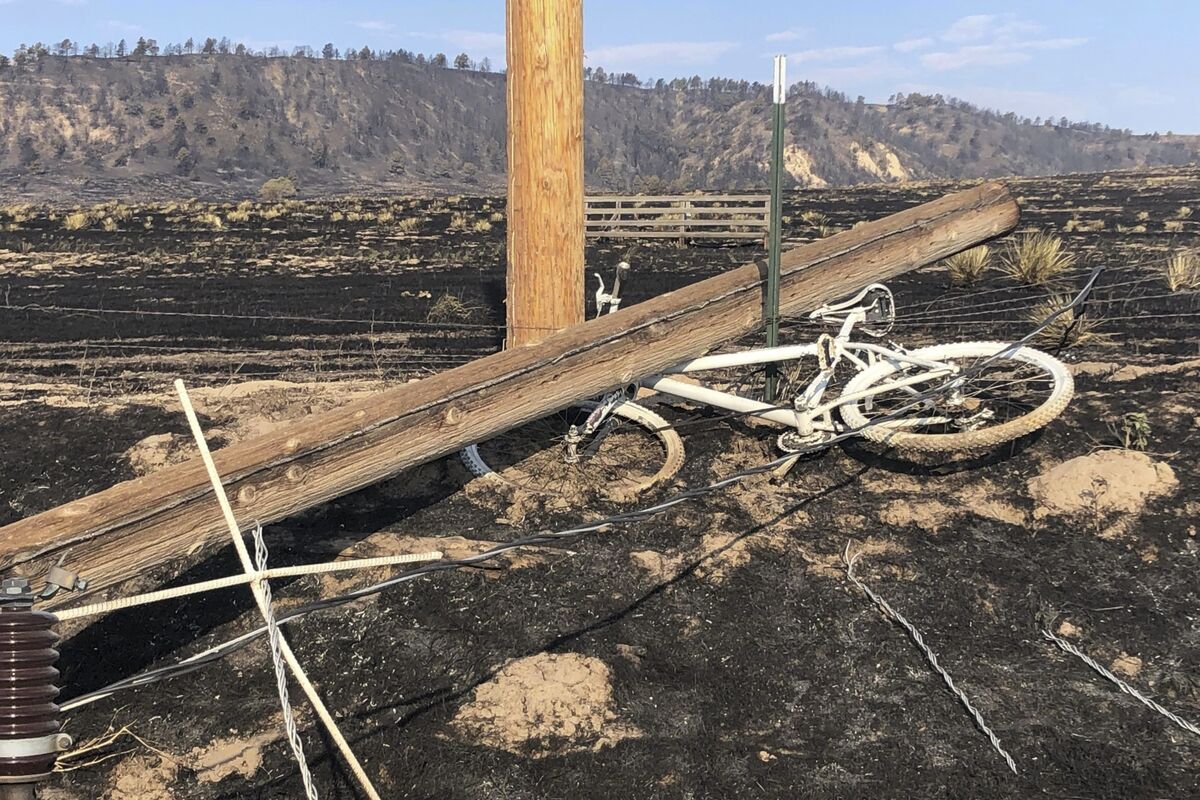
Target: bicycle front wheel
(998, 399)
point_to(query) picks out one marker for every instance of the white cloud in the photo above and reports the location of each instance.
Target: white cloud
(477, 40)
(983, 55)
(835, 53)
(790, 35)
(1141, 96)
(679, 53)
(1062, 43)
(125, 27)
(989, 26)
(909, 45)
(374, 25)
(995, 54)
(842, 77)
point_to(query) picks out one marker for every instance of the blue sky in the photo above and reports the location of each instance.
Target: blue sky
(1126, 64)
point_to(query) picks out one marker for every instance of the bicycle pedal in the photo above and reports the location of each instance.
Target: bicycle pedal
(781, 472)
(826, 351)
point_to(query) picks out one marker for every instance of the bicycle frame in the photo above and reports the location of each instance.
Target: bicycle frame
(811, 414)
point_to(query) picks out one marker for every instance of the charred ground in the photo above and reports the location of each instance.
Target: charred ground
(713, 651)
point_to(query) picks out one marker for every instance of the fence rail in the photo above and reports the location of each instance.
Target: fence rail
(713, 216)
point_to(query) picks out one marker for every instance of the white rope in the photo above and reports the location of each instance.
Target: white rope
(1122, 685)
(132, 601)
(930, 656)
(276, 639)
(248, 566)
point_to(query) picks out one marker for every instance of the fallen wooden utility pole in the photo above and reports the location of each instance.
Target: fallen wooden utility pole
(117, 533)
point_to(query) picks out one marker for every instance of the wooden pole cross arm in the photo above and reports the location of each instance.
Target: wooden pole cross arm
(119, 532)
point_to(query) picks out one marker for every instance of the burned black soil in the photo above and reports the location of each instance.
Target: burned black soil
(717, 649)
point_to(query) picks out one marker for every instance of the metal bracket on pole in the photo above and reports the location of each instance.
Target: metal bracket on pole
(774, 234)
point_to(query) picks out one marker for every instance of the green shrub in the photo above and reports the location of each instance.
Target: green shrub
(277, 189)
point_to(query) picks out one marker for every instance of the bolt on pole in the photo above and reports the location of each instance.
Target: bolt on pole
(774, 234)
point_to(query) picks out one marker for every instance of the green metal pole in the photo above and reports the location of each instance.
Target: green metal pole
(774, 232)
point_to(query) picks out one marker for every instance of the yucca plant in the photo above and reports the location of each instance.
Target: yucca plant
(1036, 259)
(1067, 328)
(1182, 271)
(968, 266)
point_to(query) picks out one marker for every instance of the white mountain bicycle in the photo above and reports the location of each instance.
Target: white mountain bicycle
(950, 398)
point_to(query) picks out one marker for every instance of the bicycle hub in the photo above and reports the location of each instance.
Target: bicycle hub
(30, 736)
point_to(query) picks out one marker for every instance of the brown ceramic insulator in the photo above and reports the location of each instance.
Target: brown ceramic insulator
(27, 688)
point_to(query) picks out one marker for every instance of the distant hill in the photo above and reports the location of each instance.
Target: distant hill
(220, 124)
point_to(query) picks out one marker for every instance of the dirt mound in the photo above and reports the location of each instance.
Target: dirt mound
(158, 451)
(1105, 482)
(233, 755)
(929, 515)
(546, 704)
(142, 778)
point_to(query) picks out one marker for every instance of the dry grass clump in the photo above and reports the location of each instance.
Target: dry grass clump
(109, 225)
(238, 215)
(481, 226)
(1184, 212)
(1143, 216)
(459, 221)
(1182, 271)
(210, 220)
(113, 210)
(18, 212)
(385, 216)
(449, 308)
(1036, 259)
(77, 220)
(813, 218)
(1173, 226)
(408, 224)
(1081, 226)
(496, 216)
(1067, 328)
(967, 267)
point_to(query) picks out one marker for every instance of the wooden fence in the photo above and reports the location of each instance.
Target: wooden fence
(689, 216)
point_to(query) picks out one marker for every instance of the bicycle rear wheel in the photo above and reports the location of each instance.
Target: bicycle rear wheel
(631, 451)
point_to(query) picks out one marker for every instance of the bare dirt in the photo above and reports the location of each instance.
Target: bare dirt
(545, 704)
(722, 632)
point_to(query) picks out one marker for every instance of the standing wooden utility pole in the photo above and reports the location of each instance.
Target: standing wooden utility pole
(545, 167)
